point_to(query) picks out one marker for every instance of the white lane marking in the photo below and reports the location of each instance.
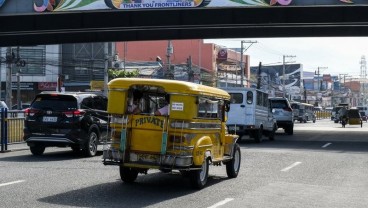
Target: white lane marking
(221, 203)
(10, 183)
(291, 166)
(326, 145)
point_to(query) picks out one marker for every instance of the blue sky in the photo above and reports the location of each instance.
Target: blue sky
(332, 55)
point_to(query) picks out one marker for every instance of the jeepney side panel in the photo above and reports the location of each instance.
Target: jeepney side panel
(202, 145)
(146, 133)
(183, 107)
(117, 101)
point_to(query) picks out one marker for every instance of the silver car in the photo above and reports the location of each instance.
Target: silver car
(283, 113)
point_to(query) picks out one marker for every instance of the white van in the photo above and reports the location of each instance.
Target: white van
(250, 114)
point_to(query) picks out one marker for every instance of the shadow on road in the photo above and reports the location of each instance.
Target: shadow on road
(148, 190)
(341, 141)
(46, 157)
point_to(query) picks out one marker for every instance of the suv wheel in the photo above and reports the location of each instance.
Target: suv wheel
(37, 149)
(91, 145)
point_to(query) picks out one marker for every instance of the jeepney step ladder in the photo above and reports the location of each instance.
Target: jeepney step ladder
(123, 135)
(105, 147)
(165, 130)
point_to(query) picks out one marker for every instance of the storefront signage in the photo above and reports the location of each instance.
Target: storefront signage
(47, 85)
(22, 85)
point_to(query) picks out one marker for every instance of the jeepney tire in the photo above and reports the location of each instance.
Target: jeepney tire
(90, 148)
(128, 175)
(258, 135)
(198, 178)
(37, 149)
(233, 166)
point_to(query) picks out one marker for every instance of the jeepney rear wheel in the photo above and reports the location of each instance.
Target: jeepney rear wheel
(128, 175)
(199, 178)
(233, 166)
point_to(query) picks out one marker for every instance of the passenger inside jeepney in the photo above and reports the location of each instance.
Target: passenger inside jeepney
(164, 111)
(134, 102)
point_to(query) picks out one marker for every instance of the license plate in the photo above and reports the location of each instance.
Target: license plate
(49, 119)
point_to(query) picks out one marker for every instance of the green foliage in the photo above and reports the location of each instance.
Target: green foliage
(114, 73)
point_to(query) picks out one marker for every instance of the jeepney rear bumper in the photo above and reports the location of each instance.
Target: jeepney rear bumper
(148, 160)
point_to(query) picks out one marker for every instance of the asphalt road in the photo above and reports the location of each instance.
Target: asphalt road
(321, 165)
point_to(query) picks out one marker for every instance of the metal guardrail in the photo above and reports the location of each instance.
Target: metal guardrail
(11, 127)
(323, 114)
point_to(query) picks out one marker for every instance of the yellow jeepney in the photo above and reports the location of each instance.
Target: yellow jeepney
(188, 139)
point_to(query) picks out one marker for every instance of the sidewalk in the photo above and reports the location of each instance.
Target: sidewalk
(16, 147)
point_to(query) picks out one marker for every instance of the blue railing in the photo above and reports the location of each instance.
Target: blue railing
(11, 127)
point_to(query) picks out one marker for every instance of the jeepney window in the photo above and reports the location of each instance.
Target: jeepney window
(249, 97)
(147, 98)
(208, 108)
(236, 98)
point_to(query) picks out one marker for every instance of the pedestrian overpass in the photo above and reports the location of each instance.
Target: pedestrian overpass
(281, 18)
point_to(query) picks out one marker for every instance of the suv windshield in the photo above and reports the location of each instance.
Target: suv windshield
(55, 102)
(279, 104)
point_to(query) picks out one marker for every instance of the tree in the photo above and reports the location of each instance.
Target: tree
(116, 73)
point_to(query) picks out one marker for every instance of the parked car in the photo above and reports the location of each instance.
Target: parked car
(66, 119)
(283, 113)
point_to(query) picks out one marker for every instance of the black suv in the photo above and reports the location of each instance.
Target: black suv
(66, 119)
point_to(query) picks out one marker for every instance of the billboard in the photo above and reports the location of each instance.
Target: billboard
(27, 6)
(271, 78)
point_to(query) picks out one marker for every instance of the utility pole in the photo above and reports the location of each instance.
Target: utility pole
(283, 72)
(106, 76)
(318, 81)
(169, 51)
(10, 56)
(340, 76)
(10, 59)
(190, 70)
(242, 50)
(318, 73)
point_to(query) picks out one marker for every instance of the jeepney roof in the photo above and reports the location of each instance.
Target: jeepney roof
(170, 86)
